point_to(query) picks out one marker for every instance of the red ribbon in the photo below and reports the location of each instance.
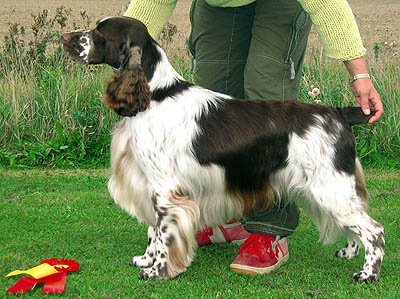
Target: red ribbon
(54, 283)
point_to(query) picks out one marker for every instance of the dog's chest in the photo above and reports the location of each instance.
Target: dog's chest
(159, 140)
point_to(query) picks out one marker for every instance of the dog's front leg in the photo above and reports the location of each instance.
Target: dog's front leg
(175, 242)
(147, 259)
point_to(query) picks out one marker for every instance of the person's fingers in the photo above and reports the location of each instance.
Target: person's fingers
(365, 104)
(376, 104)
(362, 91)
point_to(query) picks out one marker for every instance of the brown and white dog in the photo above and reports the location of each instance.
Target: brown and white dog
(184, 156)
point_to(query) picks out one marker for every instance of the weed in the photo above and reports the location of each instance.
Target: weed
(377, 49)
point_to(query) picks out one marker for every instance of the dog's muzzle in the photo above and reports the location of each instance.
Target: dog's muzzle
(76, 45)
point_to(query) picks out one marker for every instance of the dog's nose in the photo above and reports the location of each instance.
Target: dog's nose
(66, 36)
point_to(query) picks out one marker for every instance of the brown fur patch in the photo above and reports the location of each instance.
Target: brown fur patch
(190, 208)
(128, 92)
(361, 188)
(256, 200)
(180, 250)
(177, 198)
(175, 260)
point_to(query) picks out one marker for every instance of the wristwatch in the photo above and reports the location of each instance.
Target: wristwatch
(352, 79)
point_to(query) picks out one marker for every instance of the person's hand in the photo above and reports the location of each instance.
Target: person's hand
(364, 91)
(367, 98)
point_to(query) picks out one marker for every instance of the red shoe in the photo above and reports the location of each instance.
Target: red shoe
(229, 232)
(260, 254)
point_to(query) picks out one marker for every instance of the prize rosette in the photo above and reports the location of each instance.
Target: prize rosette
(52, 272)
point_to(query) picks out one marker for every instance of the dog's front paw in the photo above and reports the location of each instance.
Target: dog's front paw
(142, 261)
(365, 277)
(158, 272)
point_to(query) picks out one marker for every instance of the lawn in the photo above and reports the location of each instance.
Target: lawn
(68, 213)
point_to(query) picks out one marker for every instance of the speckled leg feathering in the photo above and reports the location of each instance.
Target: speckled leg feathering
(172, 242)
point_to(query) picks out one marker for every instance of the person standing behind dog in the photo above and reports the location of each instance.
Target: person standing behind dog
(255, 49)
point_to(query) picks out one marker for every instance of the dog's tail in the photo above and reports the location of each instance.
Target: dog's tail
(354, 115)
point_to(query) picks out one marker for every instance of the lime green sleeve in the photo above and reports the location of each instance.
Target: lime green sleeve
(337, 28)
(153, 13)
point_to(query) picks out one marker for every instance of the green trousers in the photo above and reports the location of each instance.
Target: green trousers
(254, 51)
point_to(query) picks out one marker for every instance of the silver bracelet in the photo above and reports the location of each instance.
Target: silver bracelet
(352, 79)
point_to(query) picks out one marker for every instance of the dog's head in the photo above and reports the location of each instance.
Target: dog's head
(120, 43)
(109, 42)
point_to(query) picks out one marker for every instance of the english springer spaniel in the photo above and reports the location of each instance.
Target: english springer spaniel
(184, 156)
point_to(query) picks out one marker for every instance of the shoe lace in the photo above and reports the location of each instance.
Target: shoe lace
(258, 244)
(208, 230)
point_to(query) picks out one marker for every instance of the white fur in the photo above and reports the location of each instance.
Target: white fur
(165, 75)
(85, 42)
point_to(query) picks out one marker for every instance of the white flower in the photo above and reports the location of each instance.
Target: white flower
(315, 91)
(317, 101)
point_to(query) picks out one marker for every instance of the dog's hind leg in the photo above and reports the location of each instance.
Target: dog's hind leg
(147, 259)
(338, 201)
(352, 247)
(372, 236)
(177, 221)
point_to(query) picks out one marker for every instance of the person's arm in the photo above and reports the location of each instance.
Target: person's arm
(337, 28)
(153, 13)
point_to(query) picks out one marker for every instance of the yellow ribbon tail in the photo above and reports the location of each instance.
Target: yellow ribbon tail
(37, 272)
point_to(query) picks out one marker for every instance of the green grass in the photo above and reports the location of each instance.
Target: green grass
(68, 213)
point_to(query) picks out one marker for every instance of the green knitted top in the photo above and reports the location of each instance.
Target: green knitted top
(341, 40)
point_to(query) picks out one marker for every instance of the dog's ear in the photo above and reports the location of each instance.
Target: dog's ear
(128, 92)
